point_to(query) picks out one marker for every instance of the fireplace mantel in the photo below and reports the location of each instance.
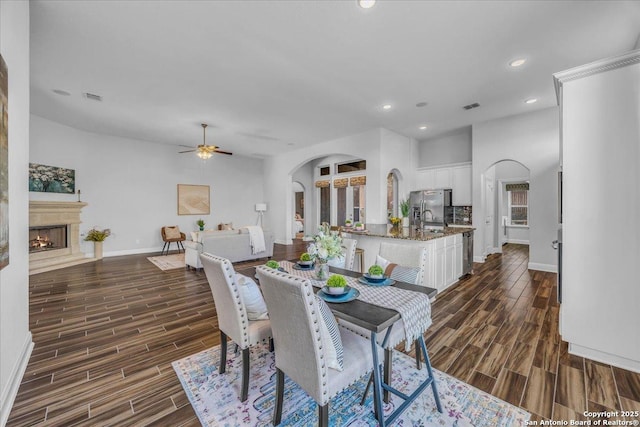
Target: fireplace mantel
(42, 213)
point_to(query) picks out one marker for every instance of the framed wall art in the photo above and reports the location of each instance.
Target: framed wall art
(51, 179)
(4, 166)
(193, 199)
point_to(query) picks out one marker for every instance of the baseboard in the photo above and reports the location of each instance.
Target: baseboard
(479, 259)
(609, 359)
(15, 378)
(132, 252)
(518, 242)
(550, 268)
(283, 242)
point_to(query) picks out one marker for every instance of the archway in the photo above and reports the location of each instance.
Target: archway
(505, 187)
(394, 177)
(298, 191)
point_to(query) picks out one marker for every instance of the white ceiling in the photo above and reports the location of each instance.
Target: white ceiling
(269, 76)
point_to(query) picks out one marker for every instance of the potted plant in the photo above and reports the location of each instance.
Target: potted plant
(359, 226)
(348, 223)
(404, 209)
(305, 259)
(273, 264)
(97, 236)
(336, 284)
(376, 272)
(200, 223)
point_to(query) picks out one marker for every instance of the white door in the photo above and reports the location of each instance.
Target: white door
(489, 214)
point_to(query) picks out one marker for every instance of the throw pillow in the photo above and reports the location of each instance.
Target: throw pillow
(251, 298)
(172, 232)
(194, 236)
(382, 262)
(331, 339)
(225, 226)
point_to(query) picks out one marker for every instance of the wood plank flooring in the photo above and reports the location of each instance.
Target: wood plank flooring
(106, 333)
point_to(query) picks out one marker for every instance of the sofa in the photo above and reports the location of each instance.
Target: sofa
(233, 245)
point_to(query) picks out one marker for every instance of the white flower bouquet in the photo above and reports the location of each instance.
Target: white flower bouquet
(326, 244)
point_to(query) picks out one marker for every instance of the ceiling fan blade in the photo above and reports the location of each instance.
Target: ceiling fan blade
(188, 151)
(222, 152)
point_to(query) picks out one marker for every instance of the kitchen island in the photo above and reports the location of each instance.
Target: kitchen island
(444, 249)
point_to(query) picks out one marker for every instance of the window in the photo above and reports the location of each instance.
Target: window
(325, 170)
(518, 203)
(356, 166)
(325, 204)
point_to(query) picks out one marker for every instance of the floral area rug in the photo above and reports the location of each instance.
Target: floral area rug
(168, 262)
(215, 397)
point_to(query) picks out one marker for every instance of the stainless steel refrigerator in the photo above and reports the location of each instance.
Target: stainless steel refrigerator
(429, 207)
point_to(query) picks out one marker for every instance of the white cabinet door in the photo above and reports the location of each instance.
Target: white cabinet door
(458, 263)
(461, 185)
(425, 179)
(443, 178)
(450, 265)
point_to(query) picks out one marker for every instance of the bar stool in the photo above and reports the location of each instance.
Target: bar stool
(360, 255)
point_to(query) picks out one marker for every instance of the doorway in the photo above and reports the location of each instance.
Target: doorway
(298, 210)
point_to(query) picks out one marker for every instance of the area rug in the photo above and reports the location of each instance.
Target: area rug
(168, 262)
(215, 397)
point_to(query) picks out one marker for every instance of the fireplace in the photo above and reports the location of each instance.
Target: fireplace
(47, 238)
(54, 235)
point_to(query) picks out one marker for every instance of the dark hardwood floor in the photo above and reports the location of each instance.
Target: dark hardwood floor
(106, 333)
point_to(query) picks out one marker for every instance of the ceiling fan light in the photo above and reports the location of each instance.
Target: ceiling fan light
(204, 155)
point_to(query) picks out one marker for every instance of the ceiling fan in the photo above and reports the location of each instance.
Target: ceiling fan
(203, 150)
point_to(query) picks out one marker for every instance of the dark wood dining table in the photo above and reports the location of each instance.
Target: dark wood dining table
(378, 320)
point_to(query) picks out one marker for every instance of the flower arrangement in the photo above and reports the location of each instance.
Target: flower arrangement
(326, 244)
(97, 235)
(395, 221)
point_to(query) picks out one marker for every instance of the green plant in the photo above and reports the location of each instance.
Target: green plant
(200, 223)
(97, 235)
(273, 264)
(348, 221)
(376, 270)
(305, 257)
(337, 281)
(358, 224)
(404, 208)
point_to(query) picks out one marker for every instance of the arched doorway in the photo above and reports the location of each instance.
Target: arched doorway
(298, 209)
(505, 189)
(393, 193)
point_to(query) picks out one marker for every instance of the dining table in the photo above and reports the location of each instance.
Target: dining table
(379, 321)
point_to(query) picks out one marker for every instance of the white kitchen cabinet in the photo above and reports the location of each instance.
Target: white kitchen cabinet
(457, 177)
(439, 266)
(450, 261)
(459, 256)
(600, 147)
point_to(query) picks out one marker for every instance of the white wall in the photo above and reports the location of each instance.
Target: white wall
(533, 140)
(131, 186)
(450, 148)
(382, 149)
(15, 338)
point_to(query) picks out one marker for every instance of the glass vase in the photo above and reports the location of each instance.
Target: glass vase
(322, 270)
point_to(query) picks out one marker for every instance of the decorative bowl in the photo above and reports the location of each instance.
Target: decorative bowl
(375, 279)
(305, 263)
(334, 290)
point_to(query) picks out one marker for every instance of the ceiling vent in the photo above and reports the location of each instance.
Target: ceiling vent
(92, 96)
(471, 106)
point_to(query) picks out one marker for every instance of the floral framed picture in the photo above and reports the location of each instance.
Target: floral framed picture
(193, 199)
(51, 179)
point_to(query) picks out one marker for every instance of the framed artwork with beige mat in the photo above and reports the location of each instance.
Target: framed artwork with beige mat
(193, 199)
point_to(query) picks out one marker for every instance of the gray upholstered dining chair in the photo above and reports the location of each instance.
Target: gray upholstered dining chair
(349, 253)
(301, 350)
(233, 320)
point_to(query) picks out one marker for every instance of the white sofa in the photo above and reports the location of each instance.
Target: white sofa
(233, 245)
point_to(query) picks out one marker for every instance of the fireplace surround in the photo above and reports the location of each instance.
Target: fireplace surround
(60, 221)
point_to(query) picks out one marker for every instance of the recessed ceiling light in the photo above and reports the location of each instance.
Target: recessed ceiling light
(517, 62)
(531, 101)
(366, 4)
(386, 107)
(423, 127)
(61, 92)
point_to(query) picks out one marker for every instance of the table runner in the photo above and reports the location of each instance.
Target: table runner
(414, 307)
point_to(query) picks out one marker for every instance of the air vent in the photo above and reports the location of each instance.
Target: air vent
(471, 106)
(92, 96)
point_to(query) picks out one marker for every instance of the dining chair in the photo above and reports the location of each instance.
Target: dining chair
(301, 350)
(233, 320)
(349, 254)
(408, 257)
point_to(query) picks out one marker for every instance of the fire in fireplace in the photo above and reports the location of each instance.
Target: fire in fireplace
(47, 238)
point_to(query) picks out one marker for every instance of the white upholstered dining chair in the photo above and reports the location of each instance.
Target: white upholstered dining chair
(407, 257)
(348, 255)
(301, 348)
(233, 319)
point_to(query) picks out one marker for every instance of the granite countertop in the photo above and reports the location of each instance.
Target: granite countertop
(407, 233)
